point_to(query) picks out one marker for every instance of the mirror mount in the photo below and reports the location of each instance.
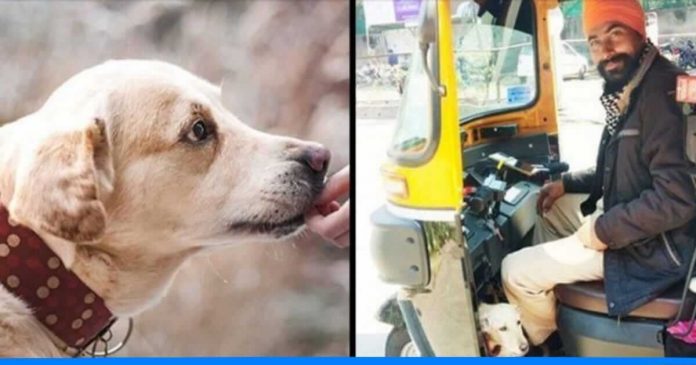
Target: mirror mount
(427, 35)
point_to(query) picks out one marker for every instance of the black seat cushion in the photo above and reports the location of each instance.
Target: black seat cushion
(590, 296)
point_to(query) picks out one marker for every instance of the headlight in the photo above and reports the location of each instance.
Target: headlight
(395, 185)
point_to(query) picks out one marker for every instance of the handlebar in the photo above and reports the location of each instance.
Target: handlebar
(492, 188)
(557, 167)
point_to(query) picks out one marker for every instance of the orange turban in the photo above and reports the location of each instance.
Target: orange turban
(627, 12)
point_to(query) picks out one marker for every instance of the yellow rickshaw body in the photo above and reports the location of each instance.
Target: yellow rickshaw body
(436, 184)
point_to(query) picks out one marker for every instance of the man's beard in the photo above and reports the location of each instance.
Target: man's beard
(616, 79)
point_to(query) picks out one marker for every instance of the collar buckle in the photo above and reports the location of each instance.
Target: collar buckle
(99, 347)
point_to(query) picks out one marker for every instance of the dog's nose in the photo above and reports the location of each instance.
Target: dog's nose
(524, 347)
(316, 157)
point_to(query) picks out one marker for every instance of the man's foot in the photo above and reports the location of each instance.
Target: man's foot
(537, 351)
(555, 344)
(552, 346)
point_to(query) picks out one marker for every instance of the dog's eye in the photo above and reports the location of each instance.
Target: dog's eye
(519, 323)
(199, 132)
(503, 328)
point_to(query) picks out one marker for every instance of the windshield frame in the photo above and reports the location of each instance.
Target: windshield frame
(537, 93)
(422, 158)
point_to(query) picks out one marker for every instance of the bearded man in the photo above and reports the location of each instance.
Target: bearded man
(642, 240)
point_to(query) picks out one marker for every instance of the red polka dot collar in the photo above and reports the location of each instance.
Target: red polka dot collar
(58, 298)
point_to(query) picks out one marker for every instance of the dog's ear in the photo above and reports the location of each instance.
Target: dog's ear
(483, 308)
(483, 315)
(60, 187)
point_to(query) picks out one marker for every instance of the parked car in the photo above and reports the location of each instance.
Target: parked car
(572, 64)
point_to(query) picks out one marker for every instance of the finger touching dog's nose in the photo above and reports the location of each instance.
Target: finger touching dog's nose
(317, 158)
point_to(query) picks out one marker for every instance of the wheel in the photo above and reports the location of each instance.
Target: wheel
(399, 344)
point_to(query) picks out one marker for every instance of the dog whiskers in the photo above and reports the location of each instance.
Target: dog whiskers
(301, 235)
(215, 270)
(273, 252)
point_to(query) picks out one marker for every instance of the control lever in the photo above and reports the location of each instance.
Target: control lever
(490, 223)
(485, 201)
(486, 196)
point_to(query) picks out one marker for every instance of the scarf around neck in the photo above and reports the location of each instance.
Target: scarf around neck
(616, 103)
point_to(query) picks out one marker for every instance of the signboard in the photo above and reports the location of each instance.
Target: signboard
(405, 10)
(519, 94)
(380, 12)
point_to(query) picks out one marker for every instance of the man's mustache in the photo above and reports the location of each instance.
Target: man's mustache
(624, 57)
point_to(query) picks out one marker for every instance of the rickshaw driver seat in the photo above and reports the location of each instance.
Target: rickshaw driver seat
(589, 296)
(587, 330)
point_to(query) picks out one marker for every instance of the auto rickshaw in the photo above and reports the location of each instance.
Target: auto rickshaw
(477, 136)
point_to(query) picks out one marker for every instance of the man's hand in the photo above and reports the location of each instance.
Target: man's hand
(328, 218)
(586, 234)
(548, 195)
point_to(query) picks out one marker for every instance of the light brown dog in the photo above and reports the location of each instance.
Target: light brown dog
(502, 330)
(129, 169)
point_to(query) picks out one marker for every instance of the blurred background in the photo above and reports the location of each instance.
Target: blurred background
(284, 67)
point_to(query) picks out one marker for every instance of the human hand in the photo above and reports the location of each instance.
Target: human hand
(548, 195)
(586, 234)
(328, 218)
